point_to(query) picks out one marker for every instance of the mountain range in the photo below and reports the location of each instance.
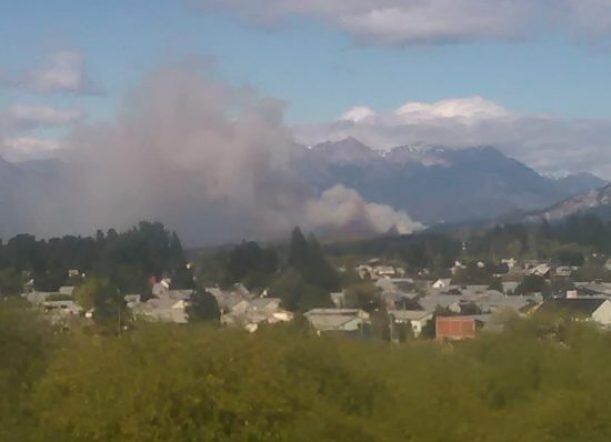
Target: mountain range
(435, 184)
(592, 202)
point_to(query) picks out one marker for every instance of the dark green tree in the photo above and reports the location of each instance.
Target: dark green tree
(307, 258)
(203, 307)
(531, 284)
(11, 282)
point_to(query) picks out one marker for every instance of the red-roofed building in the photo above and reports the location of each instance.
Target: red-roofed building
(454, 328)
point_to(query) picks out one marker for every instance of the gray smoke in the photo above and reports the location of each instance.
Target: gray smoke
(212, 161)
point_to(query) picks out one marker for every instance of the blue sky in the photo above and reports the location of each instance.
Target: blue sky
(110, 87)
(319, 57)
(317, 69)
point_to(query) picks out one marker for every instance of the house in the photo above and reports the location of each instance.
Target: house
(457, 267)
(398, 300)
(381, 271)
(374, 270)
(66, 307)
(73, 273)
(442, 283)
(417, 319)
(169, 306)
(232, 300)
(487, 301)
(474, 288)
(36, 297)
(235, 305)
(542, 270)
(597, 310)
(28, 286)
(509, 262)
(563, 271)
(600, 289)
(66, 290)
(364, 271)
(431, 302)
(337, 320)
(59, 313)
(571, 294)
(491, 301)
(338, 298)
(132, 300)
(257, 311)
(454, 328)
(509, 287)
(265, 304)
(394, 284)
(161, 287)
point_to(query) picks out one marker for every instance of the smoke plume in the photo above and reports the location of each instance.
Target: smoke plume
(211, 160)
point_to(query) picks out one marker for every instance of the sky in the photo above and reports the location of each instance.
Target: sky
(528, 76)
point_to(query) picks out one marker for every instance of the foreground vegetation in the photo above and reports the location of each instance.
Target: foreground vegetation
(534, 382)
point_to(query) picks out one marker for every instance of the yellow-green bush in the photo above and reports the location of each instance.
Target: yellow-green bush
(194, 383)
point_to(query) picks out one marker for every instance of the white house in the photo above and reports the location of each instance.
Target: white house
(168, 306)
(382, 271)
(416, 318)
(337, 319)
(541, 270)
(597, 310)
(338, 298)
(161, 287)
(564, 271)
(249, 314)
(132, 300)
(364, 271)
(510, 262)
(66, 307)
(509, 286)
(66, 290)
(442, 283)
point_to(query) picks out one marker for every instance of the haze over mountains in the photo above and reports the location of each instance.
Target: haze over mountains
(435, 184)
(432, 184)
(592, 202)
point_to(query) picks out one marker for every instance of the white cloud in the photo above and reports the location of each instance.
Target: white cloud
(41, 115)
(22, 148)
(357, 113)
(546, 143)
(471, 108)
(19, 118)
(62, 71)
(433, 21)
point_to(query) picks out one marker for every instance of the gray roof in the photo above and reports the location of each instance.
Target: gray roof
(600, 288)
(66, 290)
(509, 286)
(334, 322)
(38, 297)
(579, 306)
(336, 311)
(487, 301)
(132, 298)
(431, 302)
(264, 303)
(409, 315)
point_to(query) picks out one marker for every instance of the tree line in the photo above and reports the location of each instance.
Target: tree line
(128, 259)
